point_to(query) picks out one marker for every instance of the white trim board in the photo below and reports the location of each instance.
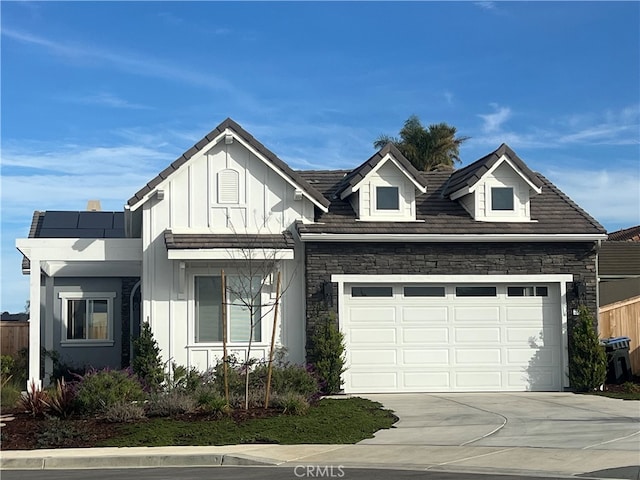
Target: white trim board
(453, 238)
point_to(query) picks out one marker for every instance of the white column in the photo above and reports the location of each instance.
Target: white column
(34, 325)
(49, 300)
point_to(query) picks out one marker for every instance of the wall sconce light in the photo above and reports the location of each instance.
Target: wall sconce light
(327, 293)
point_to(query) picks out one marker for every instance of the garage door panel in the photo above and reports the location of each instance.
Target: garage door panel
(371, 382)
(476, 313)
(433, 381)
(477, 334)
(536, 379)
(477, 356)
(478, 379)
(428, 357)
(371, 315)
(425, 314)
(425, 335)
(362, 336)
(373, 357)
(546, 357)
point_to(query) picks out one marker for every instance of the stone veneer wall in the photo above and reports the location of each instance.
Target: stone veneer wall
(325, 259)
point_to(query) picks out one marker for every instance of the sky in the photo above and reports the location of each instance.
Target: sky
(98, 97)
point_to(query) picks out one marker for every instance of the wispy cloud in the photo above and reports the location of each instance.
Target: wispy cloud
(105, 99)
(143, 65)
(486, 5)
(493, 121)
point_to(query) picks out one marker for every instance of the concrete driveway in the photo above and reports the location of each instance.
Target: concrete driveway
(551, 420)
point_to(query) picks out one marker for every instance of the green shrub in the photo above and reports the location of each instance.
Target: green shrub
(183, 379)
(100, 389)
(291, 403)
(289, 378)
(123, 412)
(10, 394)
(170, 403)
(7, 365)
(587, 358)
(147, 363)
(326, 353)
(56, 433)
(214, 405)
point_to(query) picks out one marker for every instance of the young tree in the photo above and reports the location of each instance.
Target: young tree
(426, 148)
(587, 358)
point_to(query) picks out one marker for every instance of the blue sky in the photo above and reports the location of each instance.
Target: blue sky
(99, 97)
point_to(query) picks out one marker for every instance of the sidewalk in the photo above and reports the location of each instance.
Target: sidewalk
(520, 460)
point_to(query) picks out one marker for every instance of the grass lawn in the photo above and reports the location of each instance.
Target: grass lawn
(330, 421)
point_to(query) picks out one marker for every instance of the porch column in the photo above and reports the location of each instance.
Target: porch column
(48, 327)
(34, 324)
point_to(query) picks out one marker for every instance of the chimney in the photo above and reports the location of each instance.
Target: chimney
(93, 206)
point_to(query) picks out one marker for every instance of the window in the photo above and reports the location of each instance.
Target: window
(240, 295)
(502, 198)
(424, 291)
(371, 291)
(475, 291)
(87, 317)
(527, 291)
(387, 198)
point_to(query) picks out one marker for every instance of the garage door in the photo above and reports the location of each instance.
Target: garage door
(476, 337)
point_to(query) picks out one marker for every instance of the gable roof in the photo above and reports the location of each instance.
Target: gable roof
(174, 241)
(467, 177)
(437, 214)
(631, 234)
(314, 195)
(356, 176)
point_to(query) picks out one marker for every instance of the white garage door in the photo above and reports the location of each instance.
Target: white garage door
(427, 337)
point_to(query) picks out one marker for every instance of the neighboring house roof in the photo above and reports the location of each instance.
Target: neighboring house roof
(63, 224)
(355, 177)
(468, 176)
(14, 317)
(246, 136)
(282, 240)
(619, 259)
(631, 234)
(552, 211)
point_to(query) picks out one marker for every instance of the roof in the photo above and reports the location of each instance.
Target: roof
(468, 176)
(631, 234)
(246, 136)
(554, 212)
(63, 224)
(619, 259)
(174, 241)
(353, 178)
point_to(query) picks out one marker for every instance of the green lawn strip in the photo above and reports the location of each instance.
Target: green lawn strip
(331, 421)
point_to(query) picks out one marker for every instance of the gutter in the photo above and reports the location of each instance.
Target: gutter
(453, 238)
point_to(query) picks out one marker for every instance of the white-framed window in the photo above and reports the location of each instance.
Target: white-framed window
(502, 199)
(240, 295)
(87, 318)
(387, 198)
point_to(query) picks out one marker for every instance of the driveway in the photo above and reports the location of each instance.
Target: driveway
(551, 420)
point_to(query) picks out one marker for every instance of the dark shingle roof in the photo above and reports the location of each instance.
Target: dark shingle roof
(282, 240)
(63, 224)
(619, 259)
(355, 176)
(631, 234)
(552, 210)
(468, 176)
(208, 138)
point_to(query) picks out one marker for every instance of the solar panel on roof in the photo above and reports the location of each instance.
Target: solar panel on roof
(114, 233)
(95, 220)
(118, 220)
(60, 220)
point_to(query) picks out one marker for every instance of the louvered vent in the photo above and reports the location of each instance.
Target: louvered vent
(228, 186)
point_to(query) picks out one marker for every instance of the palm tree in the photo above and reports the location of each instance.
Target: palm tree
(426, 148)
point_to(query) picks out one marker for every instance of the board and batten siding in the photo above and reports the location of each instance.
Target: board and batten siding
(265, 204)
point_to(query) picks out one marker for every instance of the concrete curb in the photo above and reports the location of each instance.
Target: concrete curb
(68, 462)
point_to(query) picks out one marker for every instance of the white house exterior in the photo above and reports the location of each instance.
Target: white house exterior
(441, 281)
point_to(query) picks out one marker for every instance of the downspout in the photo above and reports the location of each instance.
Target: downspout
(598, 246)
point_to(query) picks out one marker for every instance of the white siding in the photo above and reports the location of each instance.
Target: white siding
(387, 175)
(503, 176)
(265, 205)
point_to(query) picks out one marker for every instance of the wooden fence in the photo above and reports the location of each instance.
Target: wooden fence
(14, 336)
(622, 319)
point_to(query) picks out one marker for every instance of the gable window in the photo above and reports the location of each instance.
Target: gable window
(502, 199)
(240, 295)
(387, 198)
(87, 318)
